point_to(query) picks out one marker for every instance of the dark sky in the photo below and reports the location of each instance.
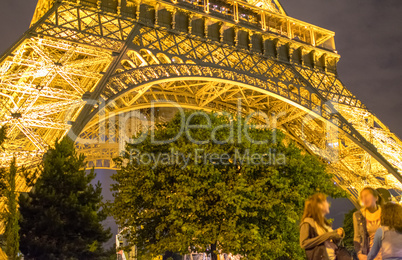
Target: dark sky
(368, 37)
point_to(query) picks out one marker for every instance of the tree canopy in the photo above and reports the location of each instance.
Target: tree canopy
(10, 215)
(223, 182)
(349, 231)
(62, 214)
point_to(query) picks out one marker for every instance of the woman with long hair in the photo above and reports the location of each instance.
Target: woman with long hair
(388, 237)
(317, 237)
(366, 221)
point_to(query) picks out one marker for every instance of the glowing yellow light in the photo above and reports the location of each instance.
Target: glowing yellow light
(42, 73)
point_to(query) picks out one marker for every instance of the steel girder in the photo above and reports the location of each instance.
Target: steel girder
(138, 88)
(79, 57)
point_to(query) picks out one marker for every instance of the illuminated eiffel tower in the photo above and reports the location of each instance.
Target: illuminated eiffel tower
(84, 62)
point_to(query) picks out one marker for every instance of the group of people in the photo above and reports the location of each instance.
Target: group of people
(377, 229)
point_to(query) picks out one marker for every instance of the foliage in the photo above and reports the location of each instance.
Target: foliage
(3, 171)
(61, 216)
(241, 208)
(349, 231)
(109, 254)
(10, 216)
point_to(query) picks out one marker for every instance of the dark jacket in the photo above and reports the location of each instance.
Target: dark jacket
(312, 243)
(361, 239)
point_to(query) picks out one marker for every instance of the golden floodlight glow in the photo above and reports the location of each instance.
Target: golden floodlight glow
(83, 63)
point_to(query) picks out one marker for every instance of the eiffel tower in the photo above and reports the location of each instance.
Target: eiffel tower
(82, 63)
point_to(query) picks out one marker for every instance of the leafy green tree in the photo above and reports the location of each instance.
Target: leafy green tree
(9, 193)
(62, 215)
(110, 254)
(220, 198)
(349, 232)
(3, 171)
(11, 214)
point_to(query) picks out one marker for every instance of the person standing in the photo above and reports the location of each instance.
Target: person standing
(388, 237)
(317, 237)
(366, 221)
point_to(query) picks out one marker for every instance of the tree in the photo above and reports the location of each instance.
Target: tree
(3, 171)
(10, 216)
(196, 193)
(349, 232)
(62, 214)
(110, 254)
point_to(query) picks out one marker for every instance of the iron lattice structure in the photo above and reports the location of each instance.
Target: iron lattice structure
(82, 62)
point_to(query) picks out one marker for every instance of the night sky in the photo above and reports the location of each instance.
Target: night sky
(368, 37)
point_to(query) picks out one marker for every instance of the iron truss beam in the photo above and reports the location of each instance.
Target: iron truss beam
(84, 60)
(310, 131)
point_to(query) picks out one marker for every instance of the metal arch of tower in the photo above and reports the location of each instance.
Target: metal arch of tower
(142, 87)
(80, 51)
(151, 39)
